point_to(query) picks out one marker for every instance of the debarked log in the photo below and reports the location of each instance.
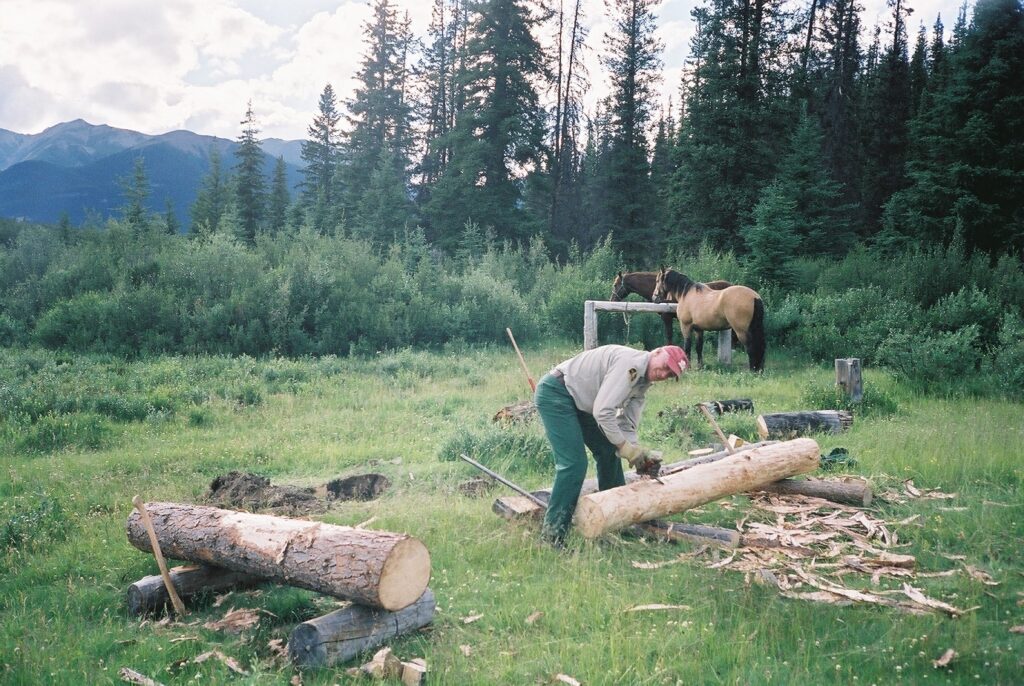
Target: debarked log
(787, 425)
(375, 568)
(616, 508)
(149, 594)
(343, 634)
(851, 491)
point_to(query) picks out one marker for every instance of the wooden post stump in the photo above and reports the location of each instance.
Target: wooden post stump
(616, 508)
(725, 347)
(375, 568)
(849, 379)
(149, 594)
(343, 634)
(788, 425)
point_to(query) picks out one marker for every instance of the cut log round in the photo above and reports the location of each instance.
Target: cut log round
(149, 594)
(343, 634)
(616, 508)
(787, 425)
(855, 492)
(374, 568)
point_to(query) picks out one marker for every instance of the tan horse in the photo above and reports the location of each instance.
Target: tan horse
(701, 309)
(642, 283)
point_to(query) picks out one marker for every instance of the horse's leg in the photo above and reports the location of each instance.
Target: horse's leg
(700, 346)
(666, 319)
(685, 331)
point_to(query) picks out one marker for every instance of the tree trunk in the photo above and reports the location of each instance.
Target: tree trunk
(787, 425)
(149, 594)
(641, 501)
(343, 634)
(374, 568)
(855, 492)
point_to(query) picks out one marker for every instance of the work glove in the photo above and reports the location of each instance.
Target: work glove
(645, 462)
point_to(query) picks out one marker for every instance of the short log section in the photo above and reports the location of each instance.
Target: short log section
(342, 634)
(851, 491)
(848, 377)
(617, 508)
(374, 568)
(149, 594)
(787, 425)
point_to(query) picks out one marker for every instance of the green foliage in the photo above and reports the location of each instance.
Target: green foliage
(53, 432)
(936, 361)
(877, 402)
(772, 239)
(508, 450)
(28, 528)
(1008, 364)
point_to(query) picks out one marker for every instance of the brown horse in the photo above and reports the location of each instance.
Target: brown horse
(642, 283)
(701, 309)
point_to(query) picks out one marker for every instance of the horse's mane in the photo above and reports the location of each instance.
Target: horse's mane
(680, 284)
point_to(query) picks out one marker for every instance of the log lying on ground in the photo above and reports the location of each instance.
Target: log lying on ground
(149, 594)
(375, 568)
(641, 501)
(343, 634)
(718, 407)
(851, 491)
(787, 425)
(515, 507)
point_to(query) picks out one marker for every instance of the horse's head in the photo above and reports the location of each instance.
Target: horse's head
(660, 293)
(619, 288)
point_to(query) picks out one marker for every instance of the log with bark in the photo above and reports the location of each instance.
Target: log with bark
(616, 508)
(149, 594)
(719, 407)
(787, 425)
(375, 568)
(343, 634)
(848, 491)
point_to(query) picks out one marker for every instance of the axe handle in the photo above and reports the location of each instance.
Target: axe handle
(500, 479)
(179, 607)
(522, 362)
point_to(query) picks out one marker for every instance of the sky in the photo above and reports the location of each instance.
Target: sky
(159, 65)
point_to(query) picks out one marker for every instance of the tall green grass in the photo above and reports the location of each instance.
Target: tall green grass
(65, 563)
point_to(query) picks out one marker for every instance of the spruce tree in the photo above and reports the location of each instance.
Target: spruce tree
(250, 184)
(136, 193)
(632, 58)
(320, 152)
(171, 224)
(211, 200)
(277, 213)
(772, 239)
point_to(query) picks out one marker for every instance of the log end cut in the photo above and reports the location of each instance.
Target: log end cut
(405, 574)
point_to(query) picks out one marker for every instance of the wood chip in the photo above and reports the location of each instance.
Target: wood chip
(908, 485)
(229, 662)
(470, 619)
(946, 658)
(566, 679)
(920, 598)
(466, 649)
(980, 575)
(656, 606)
(278, 647)
(817, 597)
(1017, 629)
(908, 520)
(722, 563)
(133, 677)
(534, 617)
(235, 621)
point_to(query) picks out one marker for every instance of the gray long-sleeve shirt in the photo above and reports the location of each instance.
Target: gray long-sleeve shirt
(606, 379)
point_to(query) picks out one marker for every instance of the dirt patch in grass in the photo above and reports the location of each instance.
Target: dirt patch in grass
(359, 487)
(254, 493)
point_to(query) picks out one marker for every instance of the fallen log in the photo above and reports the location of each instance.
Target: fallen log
(616, 508)
(375, 568)
(718, 407)
(855, 492)
(149, 594)
(788, 425)
(343, 634)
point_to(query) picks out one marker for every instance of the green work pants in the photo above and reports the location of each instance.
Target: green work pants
(568, 430)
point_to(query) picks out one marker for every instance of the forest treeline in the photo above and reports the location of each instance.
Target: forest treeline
(795, 127)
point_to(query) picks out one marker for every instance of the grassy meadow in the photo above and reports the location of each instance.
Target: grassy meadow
(81, 434)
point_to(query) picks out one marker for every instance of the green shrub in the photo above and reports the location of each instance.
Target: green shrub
(506, 450)
(938, 361)
(970, 305)
(30, 527)
(83, 431)
(829, 396)
(1008, 362)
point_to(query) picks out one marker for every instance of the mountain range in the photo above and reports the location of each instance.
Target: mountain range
(77, 167)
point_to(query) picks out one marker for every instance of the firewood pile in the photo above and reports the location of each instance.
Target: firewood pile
(820, 551)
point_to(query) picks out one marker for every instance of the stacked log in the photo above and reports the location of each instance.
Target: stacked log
(374, 568)
(149, 594)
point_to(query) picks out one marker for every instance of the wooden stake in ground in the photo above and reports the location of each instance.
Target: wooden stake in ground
(343, 634)
(154, 544)
(375, 568)
(616, 508)
(522, 362)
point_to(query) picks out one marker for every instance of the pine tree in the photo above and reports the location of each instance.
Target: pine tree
(841, 29)
(136, 193)
(277, 213)
(772, 239)
(918, 70)
(250, 184)
(632, 58)
(171, 224)
(500, 130)
(321, 152)
(435, 71)
(213, 197)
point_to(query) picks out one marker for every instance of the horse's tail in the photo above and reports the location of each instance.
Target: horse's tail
(756, 344)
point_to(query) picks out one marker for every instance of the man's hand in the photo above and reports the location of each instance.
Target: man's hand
(646, 462)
